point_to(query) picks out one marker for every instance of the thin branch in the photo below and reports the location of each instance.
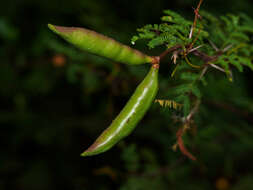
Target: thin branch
(227, 48)
(181, 146)
(195, 39)
(217, 67)
(196, 11)
(193, 111)
(194, 49)
(190, 34)
(197, 16)
(169, 50)
(182, 130)
(213, 45)
(206, 58)
(203, 72)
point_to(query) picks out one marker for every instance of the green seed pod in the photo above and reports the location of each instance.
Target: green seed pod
(129, 117)
(101, 45)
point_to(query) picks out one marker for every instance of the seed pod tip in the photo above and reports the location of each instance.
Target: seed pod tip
(53, 28)
(84, 154)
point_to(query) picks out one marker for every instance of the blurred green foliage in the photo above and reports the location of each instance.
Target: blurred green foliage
(55, 100)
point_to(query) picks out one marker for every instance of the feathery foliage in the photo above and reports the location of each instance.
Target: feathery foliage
(207, 43)
(232, 33)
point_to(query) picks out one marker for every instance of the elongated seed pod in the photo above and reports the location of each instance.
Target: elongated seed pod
(129, 117)
(101, 45)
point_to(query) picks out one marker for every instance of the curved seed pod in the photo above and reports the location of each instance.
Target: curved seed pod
(129, 117)
(101, 45)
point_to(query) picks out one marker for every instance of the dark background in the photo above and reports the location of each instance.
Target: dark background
(55, 100)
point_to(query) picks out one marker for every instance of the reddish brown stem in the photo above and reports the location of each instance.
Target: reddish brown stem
(180, 143)
(196, 11)
(169, 50)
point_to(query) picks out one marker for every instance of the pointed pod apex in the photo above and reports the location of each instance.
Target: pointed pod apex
(91, 150)
(88, 153)
(52, 27)
(84, 154)
(61, 29)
